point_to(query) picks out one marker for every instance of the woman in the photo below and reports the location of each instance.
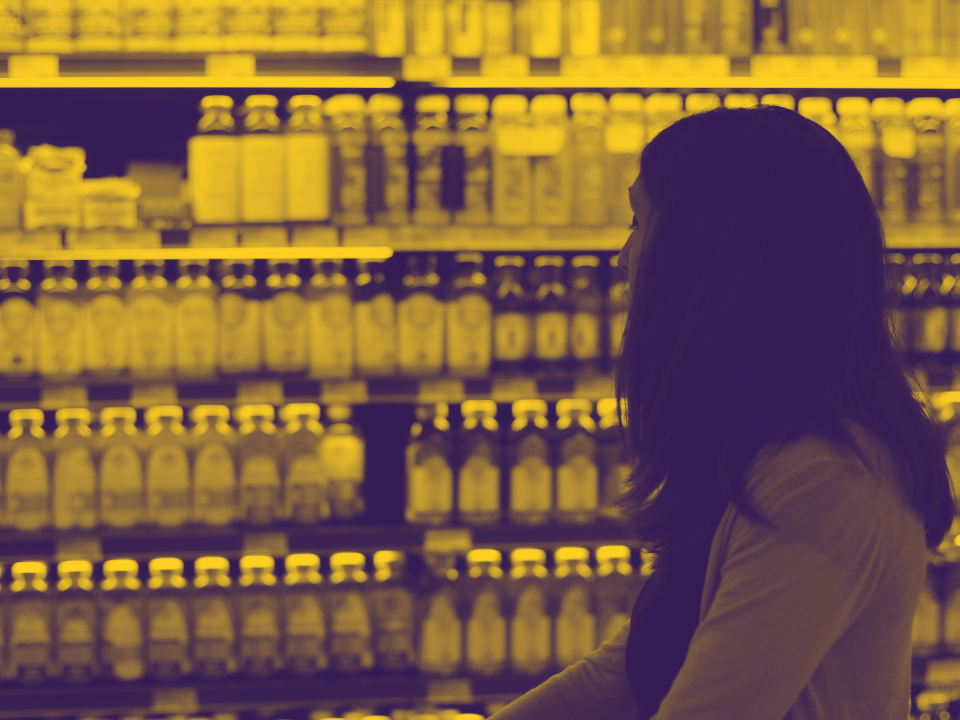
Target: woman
(789, 481)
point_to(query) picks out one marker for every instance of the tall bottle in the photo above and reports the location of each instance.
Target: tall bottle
(613, 461)
(623, 138)
(77, 631)
(167, 634)
(213, 164)
(31, 642)
(551, 319)
(618, 301)
(512, 321)
(736, 28)
(27, 478)
(330, 327)
(898, 142)
(552, 168)
(582, 28)
(392, 612)
(18, 319)
(818, 109)
(120, 468)
(420, 317)
(343, 458)
(440, 640)
(469, 324)
(926, 115)
(499, 31)
(61, 321)
(486, 631)
(618, 585)
(168, 470)
(430, 136)
(512, 172)
(195, 319)
(106, 320)
(258, 611)
(305, 482)
(239, 312)
(375, 320)
(304, 619)
(351, 647)
(531, 631)
(576, 453)
(661, 110)
(390, 197)
(586, 318)
(211, 618)
(472, 134)
(122, 613)
(929, 317)
(214, 444)
(11, 181)
(589, 158)
(856, 131)
(531, 472)
(262, 152)
(465, 21)
(259, 455)
(574, 609)
(389, 21)
(429, 474)
(151, 320)
(349, 131)
(284, 319)
(74, 474)
(478, 475)
(951, 181)
(307, 161)
(427, 36)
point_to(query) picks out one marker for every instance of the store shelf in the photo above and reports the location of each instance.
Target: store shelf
(297, 82)
(181, 252)
(488, 238)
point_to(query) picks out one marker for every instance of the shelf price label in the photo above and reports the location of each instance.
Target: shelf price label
(453, 690)
(64, 396)
(33, 66)
(175, 701)
(150, 394)
(344, 392)
(449, 390)
(79, 548)
(417, 68)
(230, 65)
(814, 65)
(274, 544)
(262, 392)
(447, 540)
(505, 65)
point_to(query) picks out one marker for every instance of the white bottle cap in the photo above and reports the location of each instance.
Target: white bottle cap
(951, 107)
(34, 415)
(256, 562)
(626, 103)
(571, 554)
(471, 104)
(781, 100)
(606, 406)
(342, 104)
(168, 564)
(568, 405)
(171, 412)
(664, 102)
(478, 407)
(297, 410)
(344, 559)
(921, 106)
(384, 103)
(81, 414)
(548, 105)
(522, 407)
(248, 412)
(481, 555)
(888, 106)
(740, 100)
(509, 105)
(527, 555)
(384, 558)
(121, 565)
(206, 564)
(433, 104)
(853, 106)
(702, 102)
(339, 413)
(606, 553)
(815, 106)
(588, 103)
(300, 561)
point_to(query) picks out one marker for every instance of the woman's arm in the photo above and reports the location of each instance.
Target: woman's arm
(595, 686)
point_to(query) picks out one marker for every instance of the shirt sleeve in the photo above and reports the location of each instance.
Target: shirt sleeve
(595, 686)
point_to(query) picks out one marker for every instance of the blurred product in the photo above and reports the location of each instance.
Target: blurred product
(486, 627)
(305, 491)
(76, 623)
(152, 320)
(420, 318)
(391, 602)
(74, 473)
(258, 611)
(214, 444)
(213, 163)
(60, 336)
(31, 643)
(195, 319)
(285, 346)
(573, 606)
(512, 321)
(478, 476)
(390, 174)
(468, 324)
(259, 455)
(351, 644)
(122, 614)
(106, 320)
(531, 631)
(168, 637)
(305, 625)
(331, 321)
(168, 469)
(576, 463)
(120, 468)
(342, 456)
(430, 486)
(529, 462)
(375, 317)
(211, 619)
(26, 477)
(18, 319)
(262, 172)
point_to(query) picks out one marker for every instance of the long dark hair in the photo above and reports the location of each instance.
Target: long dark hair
(759, 315)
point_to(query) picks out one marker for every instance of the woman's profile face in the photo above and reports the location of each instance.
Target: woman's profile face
(642, 210)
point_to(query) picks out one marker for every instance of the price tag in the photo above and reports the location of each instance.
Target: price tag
(814, 65)
(314, 236)
(213, 237)
(368, 235)
(175, 700)
(144, 396)
(509, 389)
(438, 390)
(344, 392)
(33, 66)
(93, 238)
(447, 540)
(264, 236)
(417, 68)
(929, 66)
(42, 239)
(594, 388)
(230, 65)
(265, 392)
(943, 674)
(64, 396)
(454, 690)
(273, 544)
(81, 548)
(505, 65)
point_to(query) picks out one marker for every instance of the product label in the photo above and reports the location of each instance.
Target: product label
(465, 24)
(441, 635)
(512, 188)
(212, 635)
(420, 320)
(389, 28)
(308, 176)
(331, 335)
(61, 336)
(213, 169)
(74, 489)
(585, 336)
(239, 333)
(479, 483)
(285, 332)
(30, 641)
(168, 638)
(530, 632)
(546, 26)
(76, 642)
(261, 178)
(121, 486)
(215, 485)
(512, 336)
(577, 477)
(306, 490)
(196, 322)
(305, 633)
(584, 24)
(393, 609)
(352, 178)
(531, 478)
(623, 137)
(376, 336)
(428, 30)
(168, 485)
(18, 336)
(259, 636)
(259, 488)
(28, 489)
(430, 482)
(107, 328)
(342, 457)
(396, 179)
(350, 632)
(469, 333)
(551, 335)
(930, 329)
(576, 631)
(552, 186)
(429, 146)
(151, 334)
(123, 642)
(486, 634)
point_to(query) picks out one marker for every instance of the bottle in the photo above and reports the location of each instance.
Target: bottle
(121, 468)
(31, 645)
(586, 302)
(168, 470)
(258, 610)
(60, 334)
(239, 314)
(246, 25)
(929, 319)
(951, 115)
(147, 26)
(478, 477)
(498, 27)
(898, 143)
(97, 26)
(305, 491)
(784, 100)
(736, 28)
(552, 166)
(575, 624)
(375, 319)
(856, 131)
(262, 172)
(195, 319)
(106, 320)
(151, 320)
(618, 302)
(512, 172)
(420, 317)
(429, 475)
(259, 454)
(577, 474)
(122, 613)
(307, 161)
(392, 612)
(213, 164)
(167, 634)
(350, 642)
(214, 445)
(926, 115)
(551, 319)
(809, 30)
(469, 324)
(343, 457)
(427, 27)
(77, 632)
(661, 110)
(613, 460)
(344, 27)
(330, 328)
(284, 319)
(440, 640)
(348, 126)
(27, 479)
(211, 618)
(390, 197)
(472, 135)
(623, 138)
(531, 473)
(582, 28)
(531, 631)
(389, 21)
(589, 158)
(465, 21)
(430, 137)
(74, 474)
(512, 321)
(617, 589)
(664, 21)
(304, 620)
(899, 284)
(197, 25)
(486, 632)
(952, 300)
(18, 319)
(11, 181)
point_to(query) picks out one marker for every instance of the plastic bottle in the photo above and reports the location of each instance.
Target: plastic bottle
(664, 27)
(351, 647)
(31, 644)
(147, 25)
(784, 100)
(18, 319)
(498, 28)
(74, 474)
(258, 612)
(389, 139)
(531, 631)
(284, 319)
(744, 100)
(106, 320)
(211, 618)
(97, 26)
(168, 470)
(618, 585)
(512, 172)
(392, 612)
(551, 319)
(429, 474)
(375, 319)
(213, 164)
(430, 136)
(926, 115)
(465, 25)
(262, 171)
(473, 136)
(197, 26)
(736, 27)
(590, 206)
(929, 318)
(478, 476)
(951, 180)
(307, 161)
(11, 181)
(582, 27)
(195, 319)
(898, 142)
(618, 300)
(239, 313)
(343, 458)
(614, 462)
(427, 36)
(120, 468)
(304, 619)
(856, 132)
(27, 479)
(77, 632)
(389, 21)
(246, 25)
(60, 336)
(531, 472)
(440, 640)
(900, 284)
(700, 102)
(214, 445)
(330, 327)
(575, 618)
(167, 635)
(577, 472)
(420, 318)
(349, 130)
(469, 325)
(586, 319)
(926, 633)
(661, 110)
(486, 631)
(305, 482)
(259, 453)
(512, 321)
(122, 613)
(151, 320)
(552, 161)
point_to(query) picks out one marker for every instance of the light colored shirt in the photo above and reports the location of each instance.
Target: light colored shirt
(811, 621)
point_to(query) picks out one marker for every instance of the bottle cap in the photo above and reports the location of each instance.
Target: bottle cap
(121, 565)
(211, 564)
(606, 553)
(471, 104)
(569, 405)
(339, 413)
(527, 555)
(256, 562)
(183, 264)
(112, 414)
(478, 407)
(571, 554)
(343, 104)
(104, 263)
(33, 415)
(626, 103)
(15, 263)
(433, 104)
(606, 406)
(522, 407)
(509, 105)
(298, 410)
(384, 558)
(887, 106)
(80, 414)
(548, 104)
(341, 560)
(780, 100)
(509, 260)
(740, 100)
(142, 263)
(83, 568)
(702, 102)
(588, 102)
(951, 107)
(168, 412)
(248, 412)
(267, 101)
(29, 567)
(853, 106)
(384, 103)
(664, 103)
(548, 261)
(165, 564)
(304, 101)
(585, 261)
(921, 106)
(468, 257)
(815, 106)
(216, 101)
(210, 412)
(482, 555)
(302, 561)
(57, 263)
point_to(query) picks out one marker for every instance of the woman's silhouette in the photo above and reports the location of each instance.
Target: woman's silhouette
(787, 478)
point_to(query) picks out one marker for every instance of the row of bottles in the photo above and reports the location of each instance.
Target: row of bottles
(439, 619)
(165, 476)
(379, 322)
(925, 296)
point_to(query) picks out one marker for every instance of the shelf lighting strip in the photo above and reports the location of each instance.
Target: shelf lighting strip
(203, 253)
(202, 81)
(703, 81)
